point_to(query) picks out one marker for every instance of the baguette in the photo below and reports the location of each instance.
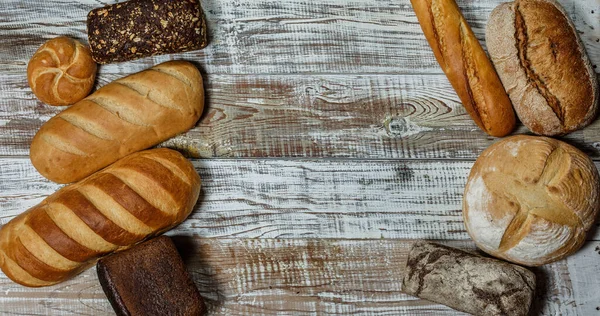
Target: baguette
(140, 196)
(466, 65)
(125, 116)
(543, 64)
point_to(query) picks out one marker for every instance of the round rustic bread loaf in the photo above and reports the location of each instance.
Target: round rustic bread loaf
(61, 72)
(531, 200)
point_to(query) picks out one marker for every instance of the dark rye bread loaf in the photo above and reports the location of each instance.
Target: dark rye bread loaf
(142, 28)
(543, 66)
(149, 279)
(466, 282)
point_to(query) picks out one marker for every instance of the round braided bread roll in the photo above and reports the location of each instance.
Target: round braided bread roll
(531, 200)
(61, 72)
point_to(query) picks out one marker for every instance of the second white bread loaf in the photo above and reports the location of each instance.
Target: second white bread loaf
(139, 196)
(123, 117)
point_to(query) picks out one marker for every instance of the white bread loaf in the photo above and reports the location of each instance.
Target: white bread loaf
(125, 116)
(531, 200)
(139, 196)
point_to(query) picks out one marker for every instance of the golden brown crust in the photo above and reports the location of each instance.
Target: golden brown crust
(125, 116)
(38, 220)
(543, 64)
(61, 72)
(466, 65)
(128, 199)
(531, 200)
(98, 222)
(82, 222)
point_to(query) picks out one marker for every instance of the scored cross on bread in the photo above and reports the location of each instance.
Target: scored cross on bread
(531, 200)
(534, 198)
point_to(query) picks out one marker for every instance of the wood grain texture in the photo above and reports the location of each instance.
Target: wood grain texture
(293, 116)
(250, 37)
(334, 79)
(380, 94)
(312, 116)
(307, 277)
(243, 198)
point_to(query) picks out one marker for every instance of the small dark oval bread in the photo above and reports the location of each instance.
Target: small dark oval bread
(543, 66)
(466, 282)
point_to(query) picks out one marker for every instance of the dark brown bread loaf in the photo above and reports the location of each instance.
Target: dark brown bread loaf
(466, 282)
(142, 28)
(543, 66)
(149, 279)
(141, 195)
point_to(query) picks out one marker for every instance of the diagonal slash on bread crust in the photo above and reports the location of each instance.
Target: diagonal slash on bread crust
(532, 77)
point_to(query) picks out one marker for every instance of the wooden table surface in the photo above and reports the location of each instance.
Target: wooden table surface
(330, 140)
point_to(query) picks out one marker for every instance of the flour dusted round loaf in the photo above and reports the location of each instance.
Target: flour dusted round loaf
(61, 72)
(531, 200)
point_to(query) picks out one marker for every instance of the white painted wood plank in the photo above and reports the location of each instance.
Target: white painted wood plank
(300, 36)
(297, 116)
(244, 198)
(305, 277)
(312, 116)
(585, 283)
